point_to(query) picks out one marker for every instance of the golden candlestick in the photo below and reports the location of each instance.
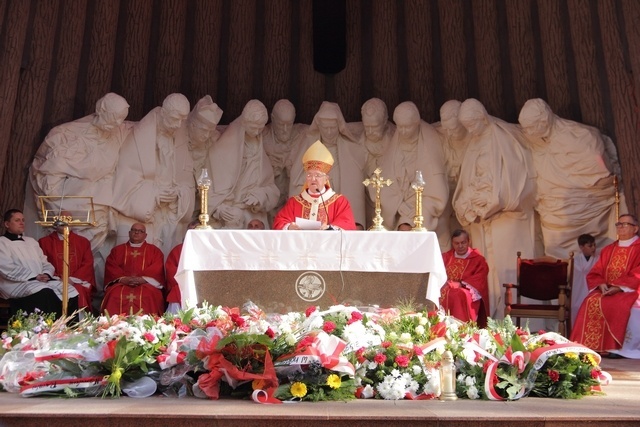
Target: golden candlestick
(378, 182)
(418, 187)
(204, 182)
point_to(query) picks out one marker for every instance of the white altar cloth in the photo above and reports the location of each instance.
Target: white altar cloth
(367, 251)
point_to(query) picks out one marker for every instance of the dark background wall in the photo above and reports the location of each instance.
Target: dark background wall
(57, 57)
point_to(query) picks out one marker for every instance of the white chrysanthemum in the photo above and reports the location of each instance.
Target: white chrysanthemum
(420, 330)
(417, 369)
(461, 378)
(395, 373)
(472, 392)
(470, 381)
(372, 366)
(290, 339)
(423, 321)
(393, 335)
(405, 337)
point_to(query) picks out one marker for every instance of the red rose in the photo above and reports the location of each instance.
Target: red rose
(402, 361)
(310, 310)
(149, 336)
(269, 332)
(595, 374)
(386, 344)
(355, 316)
(553, 375)
(380, 358)
(329, 326)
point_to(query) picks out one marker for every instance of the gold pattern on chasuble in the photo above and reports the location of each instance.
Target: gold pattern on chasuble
(617, 264)
(456, 268)
(127, 301)
(595, 323)
(134, 254)
(322, 213)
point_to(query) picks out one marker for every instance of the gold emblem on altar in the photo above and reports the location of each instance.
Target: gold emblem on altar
(310, 286)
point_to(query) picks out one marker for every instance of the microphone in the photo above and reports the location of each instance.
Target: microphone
(326, 212)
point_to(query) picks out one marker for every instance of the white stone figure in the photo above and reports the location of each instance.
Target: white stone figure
(81, 157)
(455, 139)
(415, 146)
(154, 182)
(278, 139)
(242, 178)
(349, 156)
(202, 129)
(495, 195)
(376, 138)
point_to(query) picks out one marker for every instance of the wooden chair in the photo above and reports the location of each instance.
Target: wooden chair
(542, 279)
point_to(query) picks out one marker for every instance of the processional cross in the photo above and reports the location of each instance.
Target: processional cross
(50, 218)
(377, 182)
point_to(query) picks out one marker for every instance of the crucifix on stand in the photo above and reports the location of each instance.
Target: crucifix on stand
(377, 182)
(81, 213)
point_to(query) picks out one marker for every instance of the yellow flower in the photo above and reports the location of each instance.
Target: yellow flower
(298, 389)
(590, 359)
(571, 355)
(49, 321)
(16, 324)
(334, 381)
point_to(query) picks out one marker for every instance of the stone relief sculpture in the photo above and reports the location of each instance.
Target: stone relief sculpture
(575, 191)
(494, 197)
(202, 129)
(243, 187)
(347, 174)
(81, 157)
(415, 146)
(279, 138)
(455, 139)
(154, 182)
(376, 138)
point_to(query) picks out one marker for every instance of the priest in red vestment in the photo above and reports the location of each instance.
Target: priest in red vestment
(317, 202)
(613, 282)
(81, 273)
(465, 296)
(134, 276)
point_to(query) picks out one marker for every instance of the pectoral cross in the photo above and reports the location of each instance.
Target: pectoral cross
(135, 253)
(131, 297)
(377, 182)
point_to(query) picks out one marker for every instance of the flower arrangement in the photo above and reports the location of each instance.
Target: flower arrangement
(336, 354)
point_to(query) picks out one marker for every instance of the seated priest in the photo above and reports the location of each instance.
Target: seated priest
(81, 272)
(608, 319)
(134, 276)
(26, 277)
(317, 201)
(465, 296)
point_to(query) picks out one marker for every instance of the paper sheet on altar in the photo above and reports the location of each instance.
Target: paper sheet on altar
(308, 224)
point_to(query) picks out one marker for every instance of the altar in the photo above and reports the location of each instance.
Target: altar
(283, 271)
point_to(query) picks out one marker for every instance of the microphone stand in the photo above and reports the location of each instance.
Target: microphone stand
(326, 212)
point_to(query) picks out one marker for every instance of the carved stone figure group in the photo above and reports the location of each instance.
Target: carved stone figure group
(531, 187)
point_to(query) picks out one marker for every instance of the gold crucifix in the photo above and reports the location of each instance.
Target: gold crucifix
(377, 182)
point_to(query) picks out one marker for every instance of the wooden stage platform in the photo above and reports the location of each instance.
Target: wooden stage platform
(620, 407)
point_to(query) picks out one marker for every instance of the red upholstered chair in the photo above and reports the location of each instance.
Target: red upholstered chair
(542, 279)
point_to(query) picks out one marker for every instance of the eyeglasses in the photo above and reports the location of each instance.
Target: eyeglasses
(316, 175)
(625, 224)
(134, 231)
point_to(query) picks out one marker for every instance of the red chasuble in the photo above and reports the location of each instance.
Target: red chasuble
(602, 320)
(172, 290)
(311, 207)
(457, 300)
(80, 263)
(125, 260)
